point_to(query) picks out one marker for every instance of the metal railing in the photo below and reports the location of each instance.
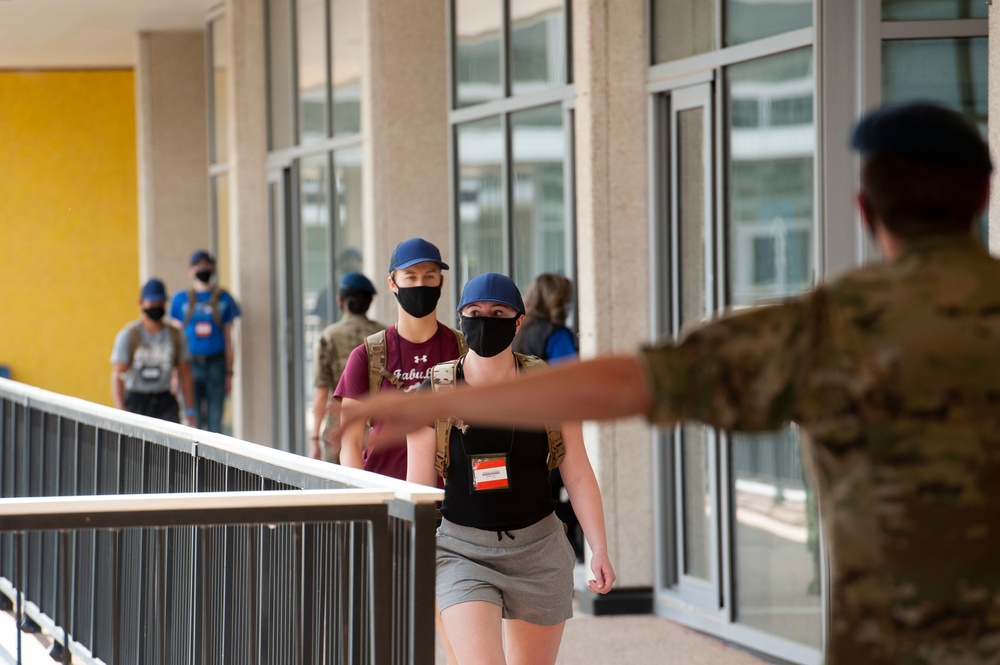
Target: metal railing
(190, 547)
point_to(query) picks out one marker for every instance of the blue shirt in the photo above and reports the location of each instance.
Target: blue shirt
(204, 336)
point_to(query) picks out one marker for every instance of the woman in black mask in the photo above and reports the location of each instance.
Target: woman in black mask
(504, 567)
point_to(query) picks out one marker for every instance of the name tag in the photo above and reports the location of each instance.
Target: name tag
(489, 472)
(150, 373)
(203, 329)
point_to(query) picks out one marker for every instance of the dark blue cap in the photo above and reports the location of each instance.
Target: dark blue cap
(413, 251)
(153, 291)
(492, 287)
(924, 131)
(358, 282)
(201, 255)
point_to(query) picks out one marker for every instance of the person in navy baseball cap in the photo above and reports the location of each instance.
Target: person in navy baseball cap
(491, 311)
(153, 291)
(358, 282)
(492, 287)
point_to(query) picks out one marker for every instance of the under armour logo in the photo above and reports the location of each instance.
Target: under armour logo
(420, 359)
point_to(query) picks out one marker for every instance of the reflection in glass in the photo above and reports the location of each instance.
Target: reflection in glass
(281, 82)
(537, 44)
(314, 230)
(925, 10)
(697, 502)
(219, 82)
(772, 138)
(480, 198)
(747, 20)
(348, 229)
(682, 28)
(346, 30)
(311, 15)
(777, 538)
(478, 73)
(539, 149)
(950, 71)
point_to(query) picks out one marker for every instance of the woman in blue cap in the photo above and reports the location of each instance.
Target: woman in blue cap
(504, 567)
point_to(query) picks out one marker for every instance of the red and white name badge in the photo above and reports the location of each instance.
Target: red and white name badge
(203, 329)
(489, 472)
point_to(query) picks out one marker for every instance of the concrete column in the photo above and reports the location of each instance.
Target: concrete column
(250, 246)
(405, 128)
(610, 61)
(171, 132)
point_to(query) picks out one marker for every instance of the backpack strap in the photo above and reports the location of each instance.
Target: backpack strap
(213, 302)
(463, 346)
(557, 447)
(443, 378)
(134, 340)
(375, 346)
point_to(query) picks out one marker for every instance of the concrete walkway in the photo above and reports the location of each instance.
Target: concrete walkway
(614, 640)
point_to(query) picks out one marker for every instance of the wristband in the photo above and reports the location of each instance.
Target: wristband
(190, 412)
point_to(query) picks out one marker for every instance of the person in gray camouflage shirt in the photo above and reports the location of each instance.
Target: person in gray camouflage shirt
(893, 373)
(354, 295)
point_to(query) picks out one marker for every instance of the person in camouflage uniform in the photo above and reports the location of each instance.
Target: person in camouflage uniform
(354, 295)
(893, 373)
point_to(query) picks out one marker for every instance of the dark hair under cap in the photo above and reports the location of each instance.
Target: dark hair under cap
(924, 131)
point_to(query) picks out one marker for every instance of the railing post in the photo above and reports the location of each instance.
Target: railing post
(382, 601)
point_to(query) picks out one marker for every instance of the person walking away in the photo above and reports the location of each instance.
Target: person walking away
(144, 355)
(892, 371)
(504, 567)
(400, 358)
(207, 312)
(354, 296)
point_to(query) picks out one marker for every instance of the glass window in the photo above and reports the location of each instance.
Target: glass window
(480, 198)
(950, 71)
(478, 52)
(219, 82)
(314, 248)
(682, 28)
(281, 79)
(349, 228)
(772, 140)
(539, 150)
(311, 33)
(926, 10)
(537, 45)
(697, 515)
(346, 51)
(747, 20)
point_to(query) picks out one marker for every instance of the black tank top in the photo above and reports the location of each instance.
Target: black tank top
(533, 338)
(529, 497)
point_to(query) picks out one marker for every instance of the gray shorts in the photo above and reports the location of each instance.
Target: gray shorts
(530, 575)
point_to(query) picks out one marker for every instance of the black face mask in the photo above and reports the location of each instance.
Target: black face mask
(155, 313)
(204, 275)
(487, 335)
(418, 301)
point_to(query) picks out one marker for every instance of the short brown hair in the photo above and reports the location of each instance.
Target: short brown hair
(915, 197)
(549, 298)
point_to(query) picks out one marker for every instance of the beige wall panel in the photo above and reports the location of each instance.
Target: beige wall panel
(172, 153)
(994, 112)
(610, 61)
(405, 125)
(250, 238)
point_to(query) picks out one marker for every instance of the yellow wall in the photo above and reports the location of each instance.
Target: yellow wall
(68, 226)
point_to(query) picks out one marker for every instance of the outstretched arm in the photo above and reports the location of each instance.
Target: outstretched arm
(600, 389)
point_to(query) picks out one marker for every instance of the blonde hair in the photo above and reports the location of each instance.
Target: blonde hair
(548, 298)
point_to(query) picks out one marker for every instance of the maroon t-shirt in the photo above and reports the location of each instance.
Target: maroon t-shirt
(410, 362)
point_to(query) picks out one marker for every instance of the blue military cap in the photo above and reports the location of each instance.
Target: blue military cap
(153, 291)
(492, 287)
(921, 130)
(413, 251)
(201, 255)
(358, 282)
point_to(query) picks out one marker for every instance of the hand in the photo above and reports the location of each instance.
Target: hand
(398, 414)
(191, 421)
(603, 572)
(315, 450)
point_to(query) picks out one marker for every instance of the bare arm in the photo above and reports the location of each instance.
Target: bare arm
(585, 495)
(600, 389)
(118, 385)
(420, 448)
(320, 400)
(187, 388)
(352, 438)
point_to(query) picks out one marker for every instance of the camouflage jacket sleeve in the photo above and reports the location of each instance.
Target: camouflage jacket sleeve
(324, 356)
(741, 372)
